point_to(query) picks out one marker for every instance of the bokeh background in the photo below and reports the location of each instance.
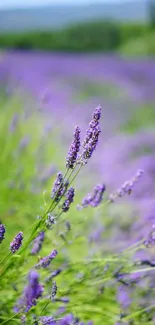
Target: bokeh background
(58, 61)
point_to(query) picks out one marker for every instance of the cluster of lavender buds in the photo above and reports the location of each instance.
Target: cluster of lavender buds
(68, 225)
(66, 320)
(65, 300)
(92, 135)
(24, 142)
(59, 187)
(127, 187)
(16, 243)
(45, 261)
(50, 221)
(53, 274)
(69, 199)
(2, 232)
(54, 290)
(31, 293)
(14, 123)
(74, 149)
(37, 244)
(150, 241)
(95, 198)
(47, 320)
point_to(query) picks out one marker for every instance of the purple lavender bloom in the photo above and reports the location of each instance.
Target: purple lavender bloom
(24, 142)
(90, 323)
(45, 261)
(95, 198)
(16, 243)
(127, 187)
(50, 221)
(54, 290)
(14, 123)
(123, 297)
(92, 125)
(150, 241)
(98, 195)
(86, 201)
(31, 293)
(67, 320)
(37, 245)
(2, 232)
(70, 197)
(65, 300)
(57, 190)
(47, 320)
(97, 114)
(74, 149)
(53, 274)
(68, 225)
(91, 145)
(23, 320)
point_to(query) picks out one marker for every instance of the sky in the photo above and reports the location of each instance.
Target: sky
(27, 3)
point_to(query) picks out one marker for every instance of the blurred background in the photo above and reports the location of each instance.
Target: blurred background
(63, 58)
(59, 59)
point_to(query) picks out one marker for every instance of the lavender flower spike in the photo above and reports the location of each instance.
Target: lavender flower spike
(150, 240)
(45, 261)
(74, 149)
(31, 293)
(34, 290)
(90, 146)
(67, 320)
(53, 274)
(98, 195)
(14, 122)
(47, 320)
(38, 243)
(57, 190)
(16, 243)
(2, 232)
(127, 187)
(92, 125)
(54, 290)
(95, 198)
(69, 200)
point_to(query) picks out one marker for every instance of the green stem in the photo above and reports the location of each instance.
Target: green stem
(45, 306)
(5, 258)
(10, 318)
(137, 313)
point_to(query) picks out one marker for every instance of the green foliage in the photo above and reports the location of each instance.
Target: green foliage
(142, 118)
(130, 31)
(90, 36)
(23, 161)
(140, 46)
(93, 36)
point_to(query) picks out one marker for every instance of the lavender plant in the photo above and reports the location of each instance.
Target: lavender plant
(86, 286)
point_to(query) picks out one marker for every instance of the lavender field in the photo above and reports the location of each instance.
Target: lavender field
(105, 251)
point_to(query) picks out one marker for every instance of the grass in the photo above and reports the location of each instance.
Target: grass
(86, 89)
(142, 118)
(142, 46)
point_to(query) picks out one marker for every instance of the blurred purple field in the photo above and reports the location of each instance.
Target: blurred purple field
(70, 86)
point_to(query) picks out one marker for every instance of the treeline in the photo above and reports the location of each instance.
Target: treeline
(85, 37)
